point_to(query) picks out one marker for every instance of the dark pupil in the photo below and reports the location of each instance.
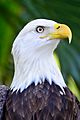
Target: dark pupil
(40, 29)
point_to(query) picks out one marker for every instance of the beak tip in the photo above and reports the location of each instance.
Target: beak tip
(70, 40)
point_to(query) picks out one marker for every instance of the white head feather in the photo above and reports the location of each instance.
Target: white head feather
(33, 56)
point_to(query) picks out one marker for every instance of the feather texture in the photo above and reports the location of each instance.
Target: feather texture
(41, 102)
(3, 94)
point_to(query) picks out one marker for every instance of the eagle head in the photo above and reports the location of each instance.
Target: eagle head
(33, 53)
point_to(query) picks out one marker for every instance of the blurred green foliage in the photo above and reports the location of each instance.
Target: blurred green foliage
(14, 14)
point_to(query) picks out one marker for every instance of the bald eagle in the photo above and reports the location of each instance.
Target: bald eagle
(38, 90)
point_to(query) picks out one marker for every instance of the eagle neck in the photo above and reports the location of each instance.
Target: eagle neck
(35, 68)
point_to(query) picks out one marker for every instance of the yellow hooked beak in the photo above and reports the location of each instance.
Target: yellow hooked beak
(62, 31)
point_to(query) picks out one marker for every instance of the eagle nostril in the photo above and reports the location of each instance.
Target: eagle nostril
(58, 27)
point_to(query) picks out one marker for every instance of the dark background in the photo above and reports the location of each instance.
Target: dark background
(14, 14)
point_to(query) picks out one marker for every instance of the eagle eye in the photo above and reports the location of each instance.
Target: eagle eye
(40, 29)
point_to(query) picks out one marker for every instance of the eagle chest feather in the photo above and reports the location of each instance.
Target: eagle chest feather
(41, 102)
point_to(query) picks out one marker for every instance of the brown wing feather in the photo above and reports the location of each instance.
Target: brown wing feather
(41, 102)
(3, 94)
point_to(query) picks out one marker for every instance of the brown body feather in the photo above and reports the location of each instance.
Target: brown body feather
(41, 102)
(3, 94)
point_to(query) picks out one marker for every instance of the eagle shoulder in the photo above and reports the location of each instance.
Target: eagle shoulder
(3, 94)
(41, 102)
